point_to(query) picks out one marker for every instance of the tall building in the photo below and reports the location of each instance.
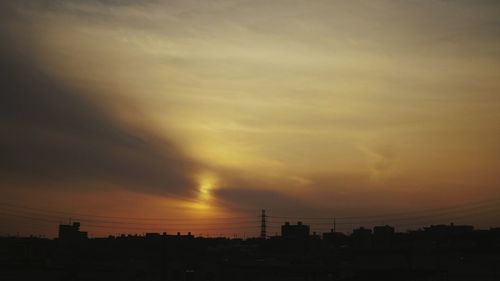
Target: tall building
(361, 238)
(71, 232)
(383, 236)
(297, 231)
(334, 238)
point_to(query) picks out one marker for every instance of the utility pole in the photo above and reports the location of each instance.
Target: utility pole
(263, 224)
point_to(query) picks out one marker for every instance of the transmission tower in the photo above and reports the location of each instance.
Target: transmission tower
(263, 224)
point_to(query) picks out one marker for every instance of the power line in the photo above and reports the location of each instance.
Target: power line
(409, 218)
(119, 217)
(123, 227)
(131, 223)
(395, 214)
(399, 219)
(176, 224)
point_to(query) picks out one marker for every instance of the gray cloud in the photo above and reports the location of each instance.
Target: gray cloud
(50, 132)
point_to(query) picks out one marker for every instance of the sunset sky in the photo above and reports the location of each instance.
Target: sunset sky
(202, 113)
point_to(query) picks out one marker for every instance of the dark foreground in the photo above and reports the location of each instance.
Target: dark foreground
(419, 255)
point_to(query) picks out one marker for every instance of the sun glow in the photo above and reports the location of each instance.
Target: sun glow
(206, 184)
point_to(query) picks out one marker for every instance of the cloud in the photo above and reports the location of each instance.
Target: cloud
(251, 200)
(52, 132)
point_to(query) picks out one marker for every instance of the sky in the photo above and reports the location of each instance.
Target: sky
(194, 115)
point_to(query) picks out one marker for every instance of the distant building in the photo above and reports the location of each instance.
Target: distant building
(495, 230)
(384, 230)
(361, 238)
(153, 235)
(383, 236)
(297, 231)
(71, 232)
(362, 232)
(449, 229)
(334, 238)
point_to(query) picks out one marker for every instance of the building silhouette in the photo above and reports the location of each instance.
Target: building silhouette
(361, 238)
(297, 231)
(436, 252)
(335, 239)
(71, 232)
